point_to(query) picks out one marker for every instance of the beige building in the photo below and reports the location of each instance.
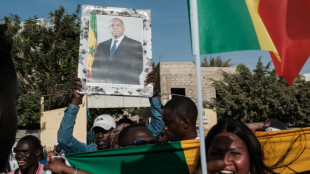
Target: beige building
(180, 78)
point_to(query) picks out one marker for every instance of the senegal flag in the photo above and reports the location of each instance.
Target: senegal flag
(92, 41)
(281, 27)
(175, 157)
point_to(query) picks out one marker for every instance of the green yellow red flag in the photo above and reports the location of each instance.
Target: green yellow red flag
(281, 27)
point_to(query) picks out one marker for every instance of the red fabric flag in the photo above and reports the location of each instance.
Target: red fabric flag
(288, 24)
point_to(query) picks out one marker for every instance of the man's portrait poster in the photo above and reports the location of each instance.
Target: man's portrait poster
(118, 51)
(118, 58)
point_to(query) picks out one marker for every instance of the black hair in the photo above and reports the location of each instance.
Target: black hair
(124, 134)
(125, 119)
(236, 127)
(183, 107)
(34, 140)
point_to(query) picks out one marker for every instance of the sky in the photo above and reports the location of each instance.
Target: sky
(170, 27)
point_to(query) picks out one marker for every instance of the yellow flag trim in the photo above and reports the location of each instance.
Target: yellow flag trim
(191, 153)
(263, 36)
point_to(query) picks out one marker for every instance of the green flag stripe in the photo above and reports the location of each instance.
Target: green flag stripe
(156, 158)
(93, 24)
(225, 25)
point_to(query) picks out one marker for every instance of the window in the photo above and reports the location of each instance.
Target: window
(177, 91)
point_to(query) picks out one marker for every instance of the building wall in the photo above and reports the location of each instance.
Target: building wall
(23, 132)
(183, 75)
(50, 122)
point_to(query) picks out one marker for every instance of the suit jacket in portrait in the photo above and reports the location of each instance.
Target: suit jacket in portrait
(125, 66)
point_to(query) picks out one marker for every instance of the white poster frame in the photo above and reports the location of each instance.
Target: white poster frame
(137, 26)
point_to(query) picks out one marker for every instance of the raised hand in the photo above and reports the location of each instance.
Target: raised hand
(151, 77)
(77, 86)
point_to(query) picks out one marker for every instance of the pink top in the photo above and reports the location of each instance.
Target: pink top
(39, 171)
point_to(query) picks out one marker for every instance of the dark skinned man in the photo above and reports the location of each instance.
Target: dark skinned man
(180, 115)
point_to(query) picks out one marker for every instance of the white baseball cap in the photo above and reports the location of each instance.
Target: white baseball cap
(56, 143)
(106, 122)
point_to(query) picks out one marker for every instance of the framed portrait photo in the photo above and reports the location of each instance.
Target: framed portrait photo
(115, 52)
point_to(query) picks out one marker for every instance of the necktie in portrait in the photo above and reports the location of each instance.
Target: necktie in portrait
(112, 50)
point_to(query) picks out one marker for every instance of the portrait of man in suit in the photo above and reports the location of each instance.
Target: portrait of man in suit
(118, 60)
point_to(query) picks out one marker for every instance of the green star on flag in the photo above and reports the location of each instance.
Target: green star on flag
(91, 50)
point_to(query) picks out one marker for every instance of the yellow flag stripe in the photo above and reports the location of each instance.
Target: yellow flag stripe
(191, 153)
(263, 36)
(92, 43)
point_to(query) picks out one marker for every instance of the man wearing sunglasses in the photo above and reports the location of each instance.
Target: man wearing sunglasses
(134, 135)
(27, 153)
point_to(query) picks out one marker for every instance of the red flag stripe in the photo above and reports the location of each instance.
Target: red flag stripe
(288, 23)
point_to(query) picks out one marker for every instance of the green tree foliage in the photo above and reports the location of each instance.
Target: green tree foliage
(215, 62)
(254, 97)
(46, 60)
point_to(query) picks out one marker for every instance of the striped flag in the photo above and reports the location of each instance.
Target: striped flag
(279, 26)
(175, 157)
(92, 41)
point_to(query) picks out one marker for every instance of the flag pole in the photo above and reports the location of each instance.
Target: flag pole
(196, 52)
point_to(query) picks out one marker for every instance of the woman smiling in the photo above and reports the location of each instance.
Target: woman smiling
(231, 148)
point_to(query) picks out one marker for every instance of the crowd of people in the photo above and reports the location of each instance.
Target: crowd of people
(231, 147)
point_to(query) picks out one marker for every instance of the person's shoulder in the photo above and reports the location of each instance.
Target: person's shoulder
(127, 39)
(105, 42)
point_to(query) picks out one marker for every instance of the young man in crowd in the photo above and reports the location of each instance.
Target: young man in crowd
(180, 115)
(27, 153)
(103, 126)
